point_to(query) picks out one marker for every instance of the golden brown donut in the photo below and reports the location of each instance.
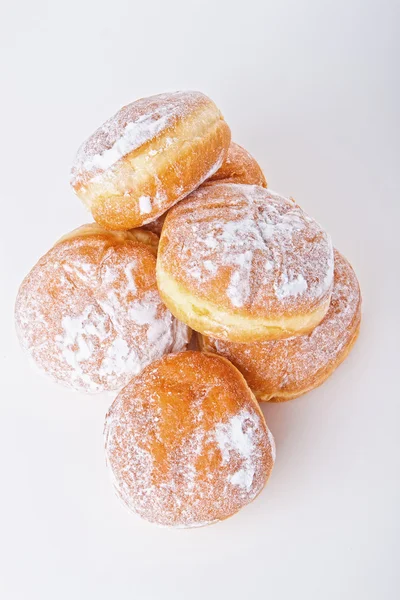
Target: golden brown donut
(239, 167)
(89, 313)
(285, 369)
(187, 443)
(241, 263)
(148, 156)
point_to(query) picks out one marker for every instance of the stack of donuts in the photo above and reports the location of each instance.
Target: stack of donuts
(196, 294)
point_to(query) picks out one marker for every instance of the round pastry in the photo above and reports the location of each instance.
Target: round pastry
(89, 312)
(148, 156)
(285, 369)
(187, 443)
(240, 262)
(239, 167)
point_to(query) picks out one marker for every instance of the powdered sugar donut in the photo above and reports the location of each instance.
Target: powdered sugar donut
(240, 262)
(187, 443)
(89, 313)
(148, 156)
(285, 369)
(238, 167)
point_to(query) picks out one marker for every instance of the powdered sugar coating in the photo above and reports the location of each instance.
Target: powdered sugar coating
(90, 316)
(245, 247)
(186, 442)
(239, 167)
(130, 128)
(295, 365)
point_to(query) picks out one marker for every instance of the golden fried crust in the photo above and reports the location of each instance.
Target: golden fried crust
(147, 157)
(241, 263)
(140, 234)
(89, 313)
(239, 167)
(285, 369)
(187, 443)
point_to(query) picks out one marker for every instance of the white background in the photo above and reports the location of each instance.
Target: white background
(311, 88)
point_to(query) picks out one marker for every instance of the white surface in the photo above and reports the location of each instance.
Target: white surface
(312, 90)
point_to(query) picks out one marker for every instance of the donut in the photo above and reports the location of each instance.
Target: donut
(148, 156)
(89, 313)
(239, 167)
(186, 442)
(241, 263)
(285, 369)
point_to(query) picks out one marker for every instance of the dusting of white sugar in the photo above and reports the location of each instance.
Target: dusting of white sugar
(291, 287)
(145, 204)
(234, 437)
(93, 325)
(177, 458)
(272, 256)
(291, 365)
(129, 129)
